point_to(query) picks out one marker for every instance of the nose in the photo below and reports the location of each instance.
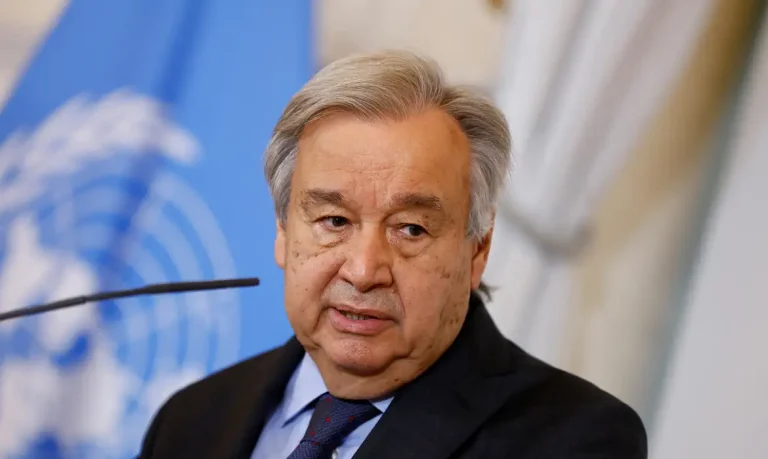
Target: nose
(368, 263)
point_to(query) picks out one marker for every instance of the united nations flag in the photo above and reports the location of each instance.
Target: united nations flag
(130, 153)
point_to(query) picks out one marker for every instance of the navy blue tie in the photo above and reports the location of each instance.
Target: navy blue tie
(332, 420)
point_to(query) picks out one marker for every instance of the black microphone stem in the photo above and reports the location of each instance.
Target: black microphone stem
(155, 289)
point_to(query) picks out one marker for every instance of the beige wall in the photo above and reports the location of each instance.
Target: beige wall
(23, 23)
(464, 36)
(626, 280)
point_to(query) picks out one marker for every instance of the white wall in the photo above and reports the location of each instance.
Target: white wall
(628, 280)
(715, 404)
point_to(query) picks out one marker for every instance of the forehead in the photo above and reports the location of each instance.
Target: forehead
(426, 152)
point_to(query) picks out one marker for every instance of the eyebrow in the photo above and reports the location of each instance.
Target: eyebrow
(426, 201)
(318, 197)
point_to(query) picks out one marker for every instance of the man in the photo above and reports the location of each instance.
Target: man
(384, 181)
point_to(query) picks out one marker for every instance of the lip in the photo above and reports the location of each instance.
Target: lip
(367, 327)
(361, 311)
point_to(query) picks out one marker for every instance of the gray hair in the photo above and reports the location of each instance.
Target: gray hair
(394, 85)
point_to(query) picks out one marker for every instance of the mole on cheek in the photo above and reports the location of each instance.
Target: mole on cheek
(299, 255)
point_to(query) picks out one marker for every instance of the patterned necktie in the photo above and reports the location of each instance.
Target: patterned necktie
(332, 420)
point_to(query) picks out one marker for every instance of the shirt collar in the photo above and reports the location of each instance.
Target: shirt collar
(306, 384)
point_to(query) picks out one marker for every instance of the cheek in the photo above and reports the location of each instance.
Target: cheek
(435, 297)
(457, 296)
(308, 270)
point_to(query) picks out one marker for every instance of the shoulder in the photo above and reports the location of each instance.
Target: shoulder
(573, 417)
(230, 394)
(229, 379)
(544, 410)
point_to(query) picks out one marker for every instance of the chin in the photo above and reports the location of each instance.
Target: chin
(358, 355)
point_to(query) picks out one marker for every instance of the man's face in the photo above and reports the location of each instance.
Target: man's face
(378, 268)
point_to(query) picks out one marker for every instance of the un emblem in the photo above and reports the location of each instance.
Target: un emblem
(89, 201)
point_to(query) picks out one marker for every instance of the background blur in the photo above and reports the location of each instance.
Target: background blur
(629, 247)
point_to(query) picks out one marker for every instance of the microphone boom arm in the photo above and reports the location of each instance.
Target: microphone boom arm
(154, 289)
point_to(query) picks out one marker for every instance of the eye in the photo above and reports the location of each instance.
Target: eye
(334, 222)
(413, 231)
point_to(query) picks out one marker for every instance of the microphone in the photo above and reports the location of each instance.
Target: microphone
(154, 289)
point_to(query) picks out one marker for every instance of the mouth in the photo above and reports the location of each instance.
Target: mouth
(356, 313)
(358, 322)
(353, 316)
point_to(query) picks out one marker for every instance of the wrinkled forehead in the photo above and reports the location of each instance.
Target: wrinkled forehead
(385, 161)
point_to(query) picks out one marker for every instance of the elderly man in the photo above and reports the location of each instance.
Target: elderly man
(384, 181)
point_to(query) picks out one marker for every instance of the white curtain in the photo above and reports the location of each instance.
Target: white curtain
(581, 79)
(715, 402)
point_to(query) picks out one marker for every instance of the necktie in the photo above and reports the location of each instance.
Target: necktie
(332, 420)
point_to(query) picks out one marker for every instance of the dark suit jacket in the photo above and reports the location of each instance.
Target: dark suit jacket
(484, 398)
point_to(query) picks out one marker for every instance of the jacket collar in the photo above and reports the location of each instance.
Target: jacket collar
(434, 414)
(260, 392)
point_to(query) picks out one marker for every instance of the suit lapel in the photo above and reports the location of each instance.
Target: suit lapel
(433, 415)
(258, 395)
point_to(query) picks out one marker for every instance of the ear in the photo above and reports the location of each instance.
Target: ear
(280, 246)
(480, 259)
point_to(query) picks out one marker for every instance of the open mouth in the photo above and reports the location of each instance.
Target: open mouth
(352, 316)
(358, 323)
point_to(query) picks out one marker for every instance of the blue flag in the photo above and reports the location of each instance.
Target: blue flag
(131, 153)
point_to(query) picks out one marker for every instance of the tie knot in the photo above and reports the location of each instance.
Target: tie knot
(333, 419)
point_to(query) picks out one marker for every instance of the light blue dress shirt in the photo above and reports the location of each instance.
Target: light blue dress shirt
(287, 425)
